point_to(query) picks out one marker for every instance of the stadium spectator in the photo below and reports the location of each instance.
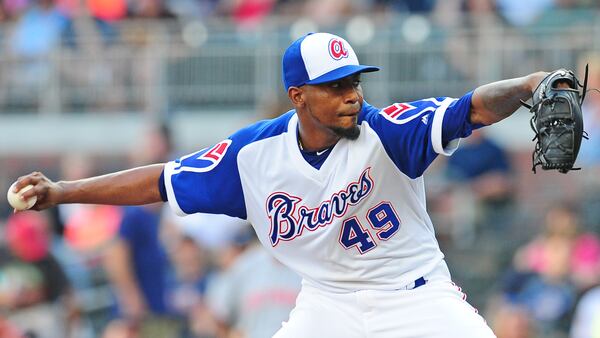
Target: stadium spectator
(247, 14)
(480, 17)
(200, 246)
(212, 232)
(192, 9)
(411, 6)
(34, 289)
(562, 230)
(149, 9)
(13, 8)
(37, 32)
(137, 267)
(547, 297)
(328, 12)
(137, 263)
(480, 170)
(107, 10)
(187, 287)
(82, 232)
(257, 307)
(485, 158)
(552, 269)
(520, 13)
(106, 13)
(512, 321)
(585, 261)
(8, 330)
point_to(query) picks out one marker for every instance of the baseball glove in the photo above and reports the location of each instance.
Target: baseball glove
(557, 120)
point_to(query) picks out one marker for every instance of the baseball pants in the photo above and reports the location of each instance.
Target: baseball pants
(437, 309)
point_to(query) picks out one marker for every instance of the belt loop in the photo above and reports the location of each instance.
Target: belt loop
(419, 282)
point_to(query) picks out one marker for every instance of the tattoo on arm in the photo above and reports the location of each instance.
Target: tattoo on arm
(496, 101)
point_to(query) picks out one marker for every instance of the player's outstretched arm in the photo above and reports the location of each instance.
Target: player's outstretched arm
(493, 102)
(129, 187)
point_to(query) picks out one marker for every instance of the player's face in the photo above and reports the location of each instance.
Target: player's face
(335, 105)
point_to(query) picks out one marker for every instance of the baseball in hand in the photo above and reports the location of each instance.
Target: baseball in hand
(14, 198)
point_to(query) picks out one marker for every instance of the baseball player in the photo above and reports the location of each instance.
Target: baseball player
(334, 190)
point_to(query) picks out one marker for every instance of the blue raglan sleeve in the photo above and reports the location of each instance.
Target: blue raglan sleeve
(206, 181)
(414, 133)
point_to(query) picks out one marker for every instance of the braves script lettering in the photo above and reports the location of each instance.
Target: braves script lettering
(288, 217)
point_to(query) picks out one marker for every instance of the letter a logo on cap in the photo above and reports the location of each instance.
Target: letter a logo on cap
(305, 61)
(337, 50)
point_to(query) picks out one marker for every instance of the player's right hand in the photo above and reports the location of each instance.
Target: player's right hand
(48, 193)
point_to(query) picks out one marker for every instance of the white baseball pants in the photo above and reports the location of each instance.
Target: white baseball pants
(437, 309)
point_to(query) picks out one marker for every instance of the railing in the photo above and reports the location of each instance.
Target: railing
(163, 67)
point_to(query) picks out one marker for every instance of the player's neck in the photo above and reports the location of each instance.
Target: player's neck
(315, 139)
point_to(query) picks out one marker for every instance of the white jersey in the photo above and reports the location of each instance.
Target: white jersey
(359, 221)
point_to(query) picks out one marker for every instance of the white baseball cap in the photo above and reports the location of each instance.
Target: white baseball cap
(319, 58)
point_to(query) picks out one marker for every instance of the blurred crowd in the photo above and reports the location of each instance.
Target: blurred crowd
(530, 261)
(137, 55)
(249, 12)
(61, 20)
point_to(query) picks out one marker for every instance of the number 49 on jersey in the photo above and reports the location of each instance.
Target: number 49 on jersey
(383, 221)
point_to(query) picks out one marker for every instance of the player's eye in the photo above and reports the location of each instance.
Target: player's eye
(356, 83)
(335, 84)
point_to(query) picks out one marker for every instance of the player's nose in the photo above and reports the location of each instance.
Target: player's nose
(351, 95)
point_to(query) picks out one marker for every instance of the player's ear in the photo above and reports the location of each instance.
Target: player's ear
(296, 95)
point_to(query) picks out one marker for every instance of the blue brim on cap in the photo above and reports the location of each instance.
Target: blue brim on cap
(342, 72)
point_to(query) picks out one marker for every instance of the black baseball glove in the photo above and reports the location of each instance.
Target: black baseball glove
(557, 120)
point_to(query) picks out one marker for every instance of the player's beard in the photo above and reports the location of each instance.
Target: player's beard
(351, 133)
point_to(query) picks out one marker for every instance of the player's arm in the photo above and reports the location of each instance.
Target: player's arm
(498, 100)
(129, 187)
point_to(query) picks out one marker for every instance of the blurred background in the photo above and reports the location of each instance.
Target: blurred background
(92, 86)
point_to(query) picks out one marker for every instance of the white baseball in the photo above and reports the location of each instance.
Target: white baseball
(14, 198)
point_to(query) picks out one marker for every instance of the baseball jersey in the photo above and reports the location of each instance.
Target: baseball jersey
(360, 220)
